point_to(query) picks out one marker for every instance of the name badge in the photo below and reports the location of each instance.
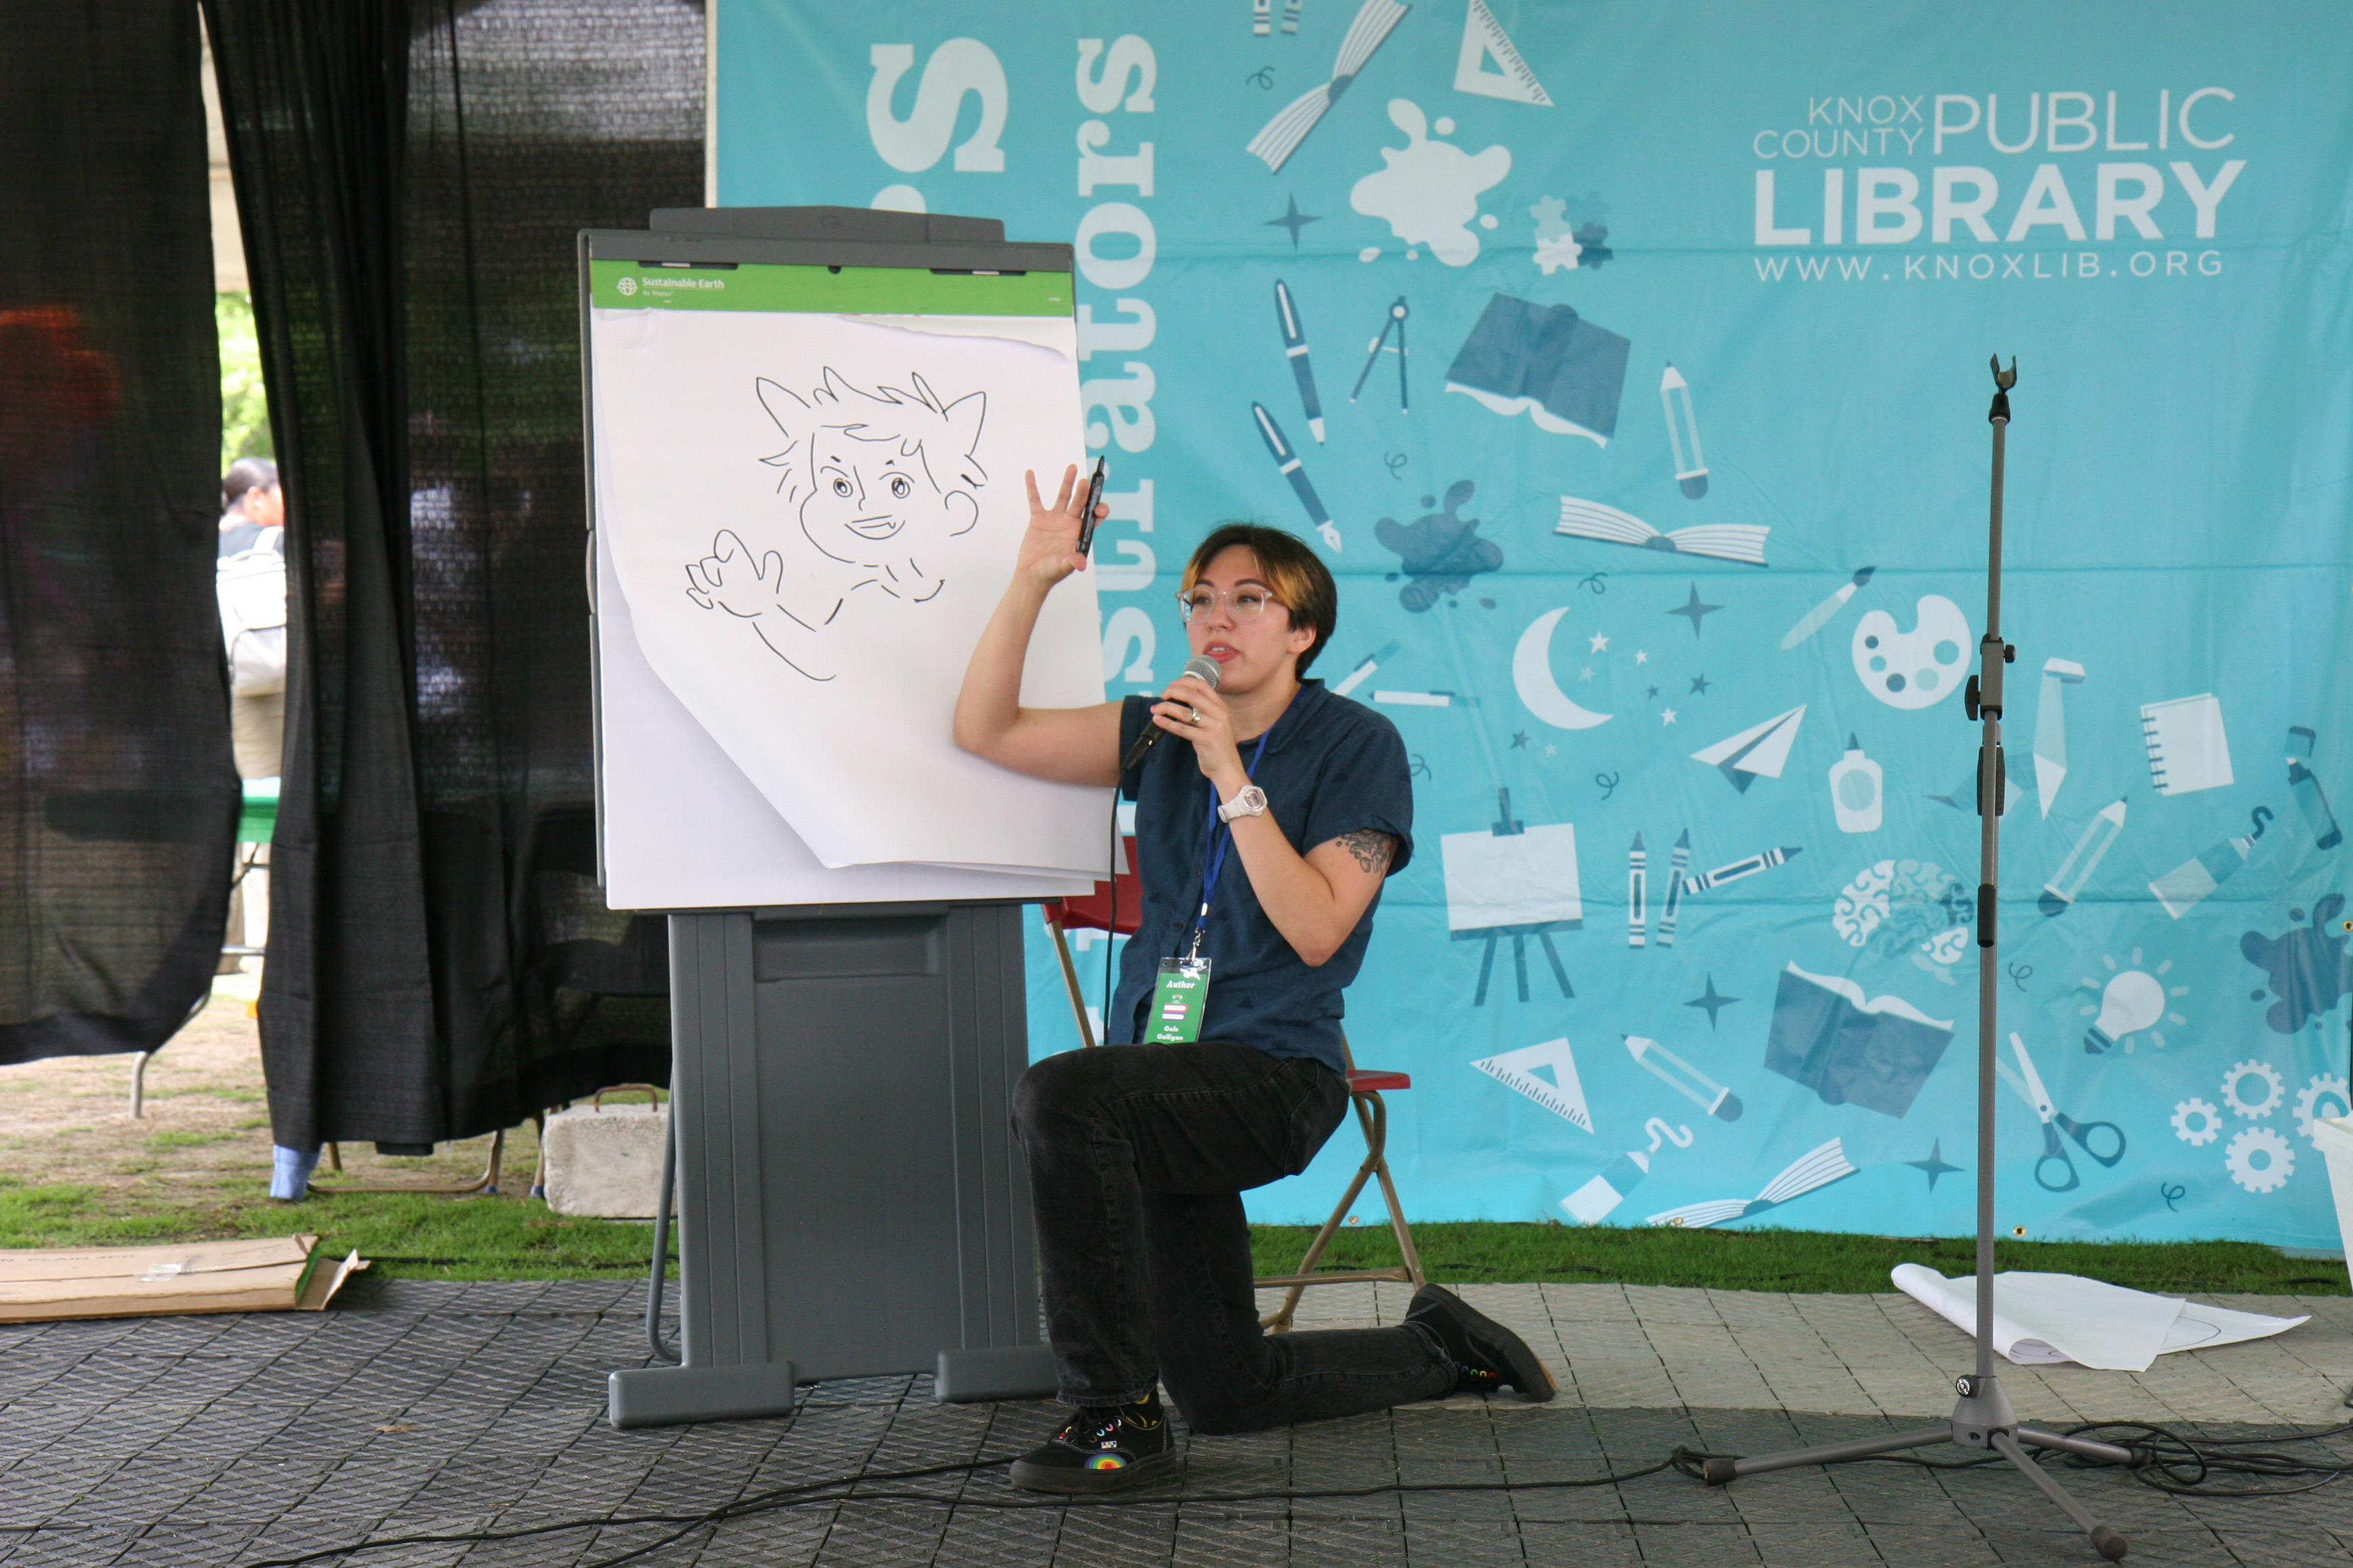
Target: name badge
(1178, 1000)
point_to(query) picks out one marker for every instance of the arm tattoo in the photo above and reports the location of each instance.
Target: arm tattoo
(1370, 847)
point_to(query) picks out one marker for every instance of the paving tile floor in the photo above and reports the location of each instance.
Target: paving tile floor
(424, 1408)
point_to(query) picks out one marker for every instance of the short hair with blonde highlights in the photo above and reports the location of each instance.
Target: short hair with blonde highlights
(1302, 582)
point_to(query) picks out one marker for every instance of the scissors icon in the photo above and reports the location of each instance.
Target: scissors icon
(2088, 1136)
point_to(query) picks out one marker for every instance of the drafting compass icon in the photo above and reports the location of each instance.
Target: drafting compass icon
(1396, 317)
(2091, 1137)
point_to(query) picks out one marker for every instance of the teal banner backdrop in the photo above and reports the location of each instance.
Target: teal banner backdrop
(1628, 363)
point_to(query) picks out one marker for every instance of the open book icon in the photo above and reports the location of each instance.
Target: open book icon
(1848, 1048)
(1280, 136)
(1743, 541)
(1547, 361)
(1756, 752)
(1809, 1171)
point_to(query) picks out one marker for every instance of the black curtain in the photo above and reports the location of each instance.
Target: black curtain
(411, 176)
(118, 798)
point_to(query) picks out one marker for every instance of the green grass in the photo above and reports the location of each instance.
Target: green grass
(1792, 1260)
(431, 1236)
(171, 1139)
(407, 1236)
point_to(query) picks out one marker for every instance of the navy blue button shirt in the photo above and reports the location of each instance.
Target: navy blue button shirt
(1331, 766)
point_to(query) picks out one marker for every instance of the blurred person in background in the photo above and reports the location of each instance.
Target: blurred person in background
(251, 584)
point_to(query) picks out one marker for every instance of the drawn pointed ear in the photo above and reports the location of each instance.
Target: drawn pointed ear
(785, 406)
(834, 386)
(964, 417)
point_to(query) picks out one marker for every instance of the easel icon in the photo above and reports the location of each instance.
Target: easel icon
(1399, 311)
(1495, 867)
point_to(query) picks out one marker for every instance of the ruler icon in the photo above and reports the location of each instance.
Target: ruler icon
(1484, 39)
(1563, 1096)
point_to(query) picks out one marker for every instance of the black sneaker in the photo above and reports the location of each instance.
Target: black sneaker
(1101, 1449)
(1486, 1355)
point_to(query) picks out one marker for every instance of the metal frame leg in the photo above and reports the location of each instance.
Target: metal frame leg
(2108, 1543)
(1718, 1471)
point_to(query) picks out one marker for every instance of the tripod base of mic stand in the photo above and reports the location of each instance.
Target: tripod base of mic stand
(1982, 1419)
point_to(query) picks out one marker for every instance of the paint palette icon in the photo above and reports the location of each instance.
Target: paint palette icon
(1918, 668)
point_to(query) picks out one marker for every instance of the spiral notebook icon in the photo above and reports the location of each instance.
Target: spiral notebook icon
(2187, 748)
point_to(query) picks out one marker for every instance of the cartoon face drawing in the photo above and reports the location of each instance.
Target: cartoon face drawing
(874, 481)
(875, 477)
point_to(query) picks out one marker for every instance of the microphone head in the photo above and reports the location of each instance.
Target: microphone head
(1206, 668)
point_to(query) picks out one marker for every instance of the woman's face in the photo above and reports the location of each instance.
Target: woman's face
(1250, 650)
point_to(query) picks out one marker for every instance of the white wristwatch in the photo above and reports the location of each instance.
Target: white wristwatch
(1249, 802)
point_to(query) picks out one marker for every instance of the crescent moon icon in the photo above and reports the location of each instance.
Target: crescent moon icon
(1532, 677)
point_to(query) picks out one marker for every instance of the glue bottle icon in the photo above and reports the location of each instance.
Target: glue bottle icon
(1854, 790)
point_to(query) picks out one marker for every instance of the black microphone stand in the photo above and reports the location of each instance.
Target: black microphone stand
(1982, 1418)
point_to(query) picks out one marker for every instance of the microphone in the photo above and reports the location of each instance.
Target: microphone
(1200, 665)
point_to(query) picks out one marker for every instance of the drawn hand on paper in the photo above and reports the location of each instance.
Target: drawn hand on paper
(875, 479)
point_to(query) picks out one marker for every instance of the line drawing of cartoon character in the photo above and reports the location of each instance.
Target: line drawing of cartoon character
(875, 479)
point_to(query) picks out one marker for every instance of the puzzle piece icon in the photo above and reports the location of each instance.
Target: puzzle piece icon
(1569, 235)
(1439, 550)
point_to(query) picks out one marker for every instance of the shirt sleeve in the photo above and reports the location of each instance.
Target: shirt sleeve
(1364, 782)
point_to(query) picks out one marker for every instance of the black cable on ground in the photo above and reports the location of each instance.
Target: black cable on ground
(662, 1349)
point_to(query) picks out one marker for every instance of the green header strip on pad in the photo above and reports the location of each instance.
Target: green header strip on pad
(848, 291)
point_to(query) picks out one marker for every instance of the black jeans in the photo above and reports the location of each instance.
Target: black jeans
(1138, 1156)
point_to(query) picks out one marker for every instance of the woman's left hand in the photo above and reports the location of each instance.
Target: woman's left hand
(1194, 711)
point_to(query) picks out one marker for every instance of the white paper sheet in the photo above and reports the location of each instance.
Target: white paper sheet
(2044, 1317)
(838, 714)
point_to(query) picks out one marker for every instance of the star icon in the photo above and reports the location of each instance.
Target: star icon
(1520, 739)
(1600, 643)
(1694, 610)
(1641, 658)
(1584, 674)
(1713, 1002)
(1294, 219)
(1552, 751)
(1935, 1163)
(1653, 693)
(1666, 715)
(1699, 683)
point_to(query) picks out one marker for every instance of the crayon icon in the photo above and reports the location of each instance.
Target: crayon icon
(1637, 892)
(1764, 861)
(1678, 869)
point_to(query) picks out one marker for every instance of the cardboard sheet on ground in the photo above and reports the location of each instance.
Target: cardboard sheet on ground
(2039, 1318)
(275, 1274)
(810, 516)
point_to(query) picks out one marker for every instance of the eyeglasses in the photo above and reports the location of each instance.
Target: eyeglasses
(1244, 604)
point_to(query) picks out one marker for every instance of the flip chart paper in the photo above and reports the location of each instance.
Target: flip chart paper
(822, 633)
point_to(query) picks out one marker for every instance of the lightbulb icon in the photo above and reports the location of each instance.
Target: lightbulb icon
(2133, 1000)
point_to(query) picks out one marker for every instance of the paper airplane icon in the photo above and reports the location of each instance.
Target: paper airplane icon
(1564, 1097)
(1755, 752)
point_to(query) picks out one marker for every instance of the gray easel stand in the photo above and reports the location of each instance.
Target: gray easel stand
(852, 1202)
(1983, 1417)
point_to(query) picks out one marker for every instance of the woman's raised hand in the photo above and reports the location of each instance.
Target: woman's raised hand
(1050, 549)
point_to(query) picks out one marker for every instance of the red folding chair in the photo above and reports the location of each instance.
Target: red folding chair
(1365, 1086)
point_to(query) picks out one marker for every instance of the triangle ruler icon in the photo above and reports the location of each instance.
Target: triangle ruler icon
(1563, 1096)
(1484, 39)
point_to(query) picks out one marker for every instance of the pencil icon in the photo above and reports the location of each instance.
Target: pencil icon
(1637, 892)
(1678, 869)
(1739, 868)
(1357, 677)
(1294, 345)
(2091, 845)
(1684, 1078)
(1692, 475)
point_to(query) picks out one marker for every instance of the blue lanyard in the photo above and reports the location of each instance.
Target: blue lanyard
(1215, 862)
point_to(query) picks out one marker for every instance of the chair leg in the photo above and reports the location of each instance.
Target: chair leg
(1379, 1143)
(1070, 984)
(1278, 1320)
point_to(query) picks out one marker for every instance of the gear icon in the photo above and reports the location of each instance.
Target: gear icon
(2313, 1100)
(2277, 1160)
(2208, 1119)
(2242, 1071)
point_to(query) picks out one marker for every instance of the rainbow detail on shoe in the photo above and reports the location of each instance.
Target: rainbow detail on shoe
(1106, 1462)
